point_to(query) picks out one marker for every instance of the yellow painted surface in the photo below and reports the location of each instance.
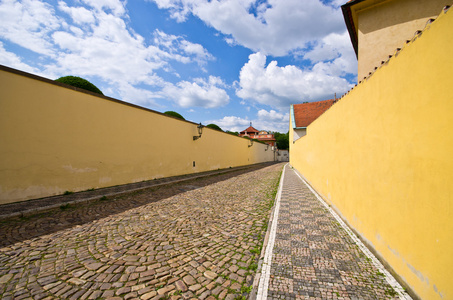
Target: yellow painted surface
(383, 157)
(384, 26)
(54, 139)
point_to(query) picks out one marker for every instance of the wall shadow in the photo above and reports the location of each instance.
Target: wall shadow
(29, 227)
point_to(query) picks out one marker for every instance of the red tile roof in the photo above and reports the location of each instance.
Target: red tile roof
(249, 130)
(306, 113)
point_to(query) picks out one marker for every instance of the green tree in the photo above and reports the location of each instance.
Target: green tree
(276, 134)
(79, 83)
(214, 126)
(174, 114)
(283, 141)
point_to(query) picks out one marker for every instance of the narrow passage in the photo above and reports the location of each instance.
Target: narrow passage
(311, 255)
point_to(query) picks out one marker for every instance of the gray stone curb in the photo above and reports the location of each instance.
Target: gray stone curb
(254, 293)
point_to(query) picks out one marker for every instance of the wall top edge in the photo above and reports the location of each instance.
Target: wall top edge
(50, 81)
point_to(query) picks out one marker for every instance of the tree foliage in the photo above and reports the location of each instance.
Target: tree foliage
(214, 126)
(174, 114)
(79, 83)
(282, 141)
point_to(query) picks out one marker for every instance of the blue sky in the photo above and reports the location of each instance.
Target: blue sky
(228, 62)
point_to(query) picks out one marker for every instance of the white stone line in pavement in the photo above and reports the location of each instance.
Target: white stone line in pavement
(267, 261)
(388, 277)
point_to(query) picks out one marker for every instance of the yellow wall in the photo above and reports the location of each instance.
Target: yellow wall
(383, 157)
(384, 26)
(55, 139)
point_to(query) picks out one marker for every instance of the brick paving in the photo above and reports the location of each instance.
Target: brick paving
(198, 239)
(313, 256)
(194, 240)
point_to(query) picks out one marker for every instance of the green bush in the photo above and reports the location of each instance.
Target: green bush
(79, 83)
(214, 126)
(174, 114)
(233, 132)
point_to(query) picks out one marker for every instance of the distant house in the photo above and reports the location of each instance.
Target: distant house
(304, 114)
(262, 136)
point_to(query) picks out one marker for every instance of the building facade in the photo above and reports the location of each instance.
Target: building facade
(262, 136)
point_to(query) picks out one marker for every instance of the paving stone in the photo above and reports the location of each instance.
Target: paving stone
(181, 286)
(165, 289)
(195, 287)
(108, 294)
(211, 275)
(77, 281)
(123, 290)
(5, 278)
(94, 266)
(95, 295)
(189, 280)
(148, 295)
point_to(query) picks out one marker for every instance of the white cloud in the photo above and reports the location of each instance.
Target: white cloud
(137, 95)
(279, 87)
(94, 40)
(274, 27)
(79, 15)
(231, 123)
(180, 49)
(200, 93)
(14, 61)
(28, 24)
(266, 120)
(111, 60)
(271, 115)
(337, 50)
(273, 120)
(115, 6)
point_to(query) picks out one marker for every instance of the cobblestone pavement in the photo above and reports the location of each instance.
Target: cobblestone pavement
(199, 239)
(32, 207)
(314, 257)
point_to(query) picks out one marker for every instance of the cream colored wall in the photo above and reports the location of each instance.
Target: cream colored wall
(385, 26)
(54, 139)
(383, 157)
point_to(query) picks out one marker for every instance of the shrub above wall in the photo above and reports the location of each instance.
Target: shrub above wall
(214, 126)
(79, 82)
(174, 114)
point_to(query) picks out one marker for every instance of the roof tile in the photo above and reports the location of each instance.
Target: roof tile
(306, 113)
(250, 130)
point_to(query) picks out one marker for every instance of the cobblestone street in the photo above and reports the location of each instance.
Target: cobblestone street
(204, 238)
(199, 239)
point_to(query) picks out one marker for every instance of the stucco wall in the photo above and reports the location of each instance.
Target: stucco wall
(387, 25)
(55, 139)
(383, 158)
